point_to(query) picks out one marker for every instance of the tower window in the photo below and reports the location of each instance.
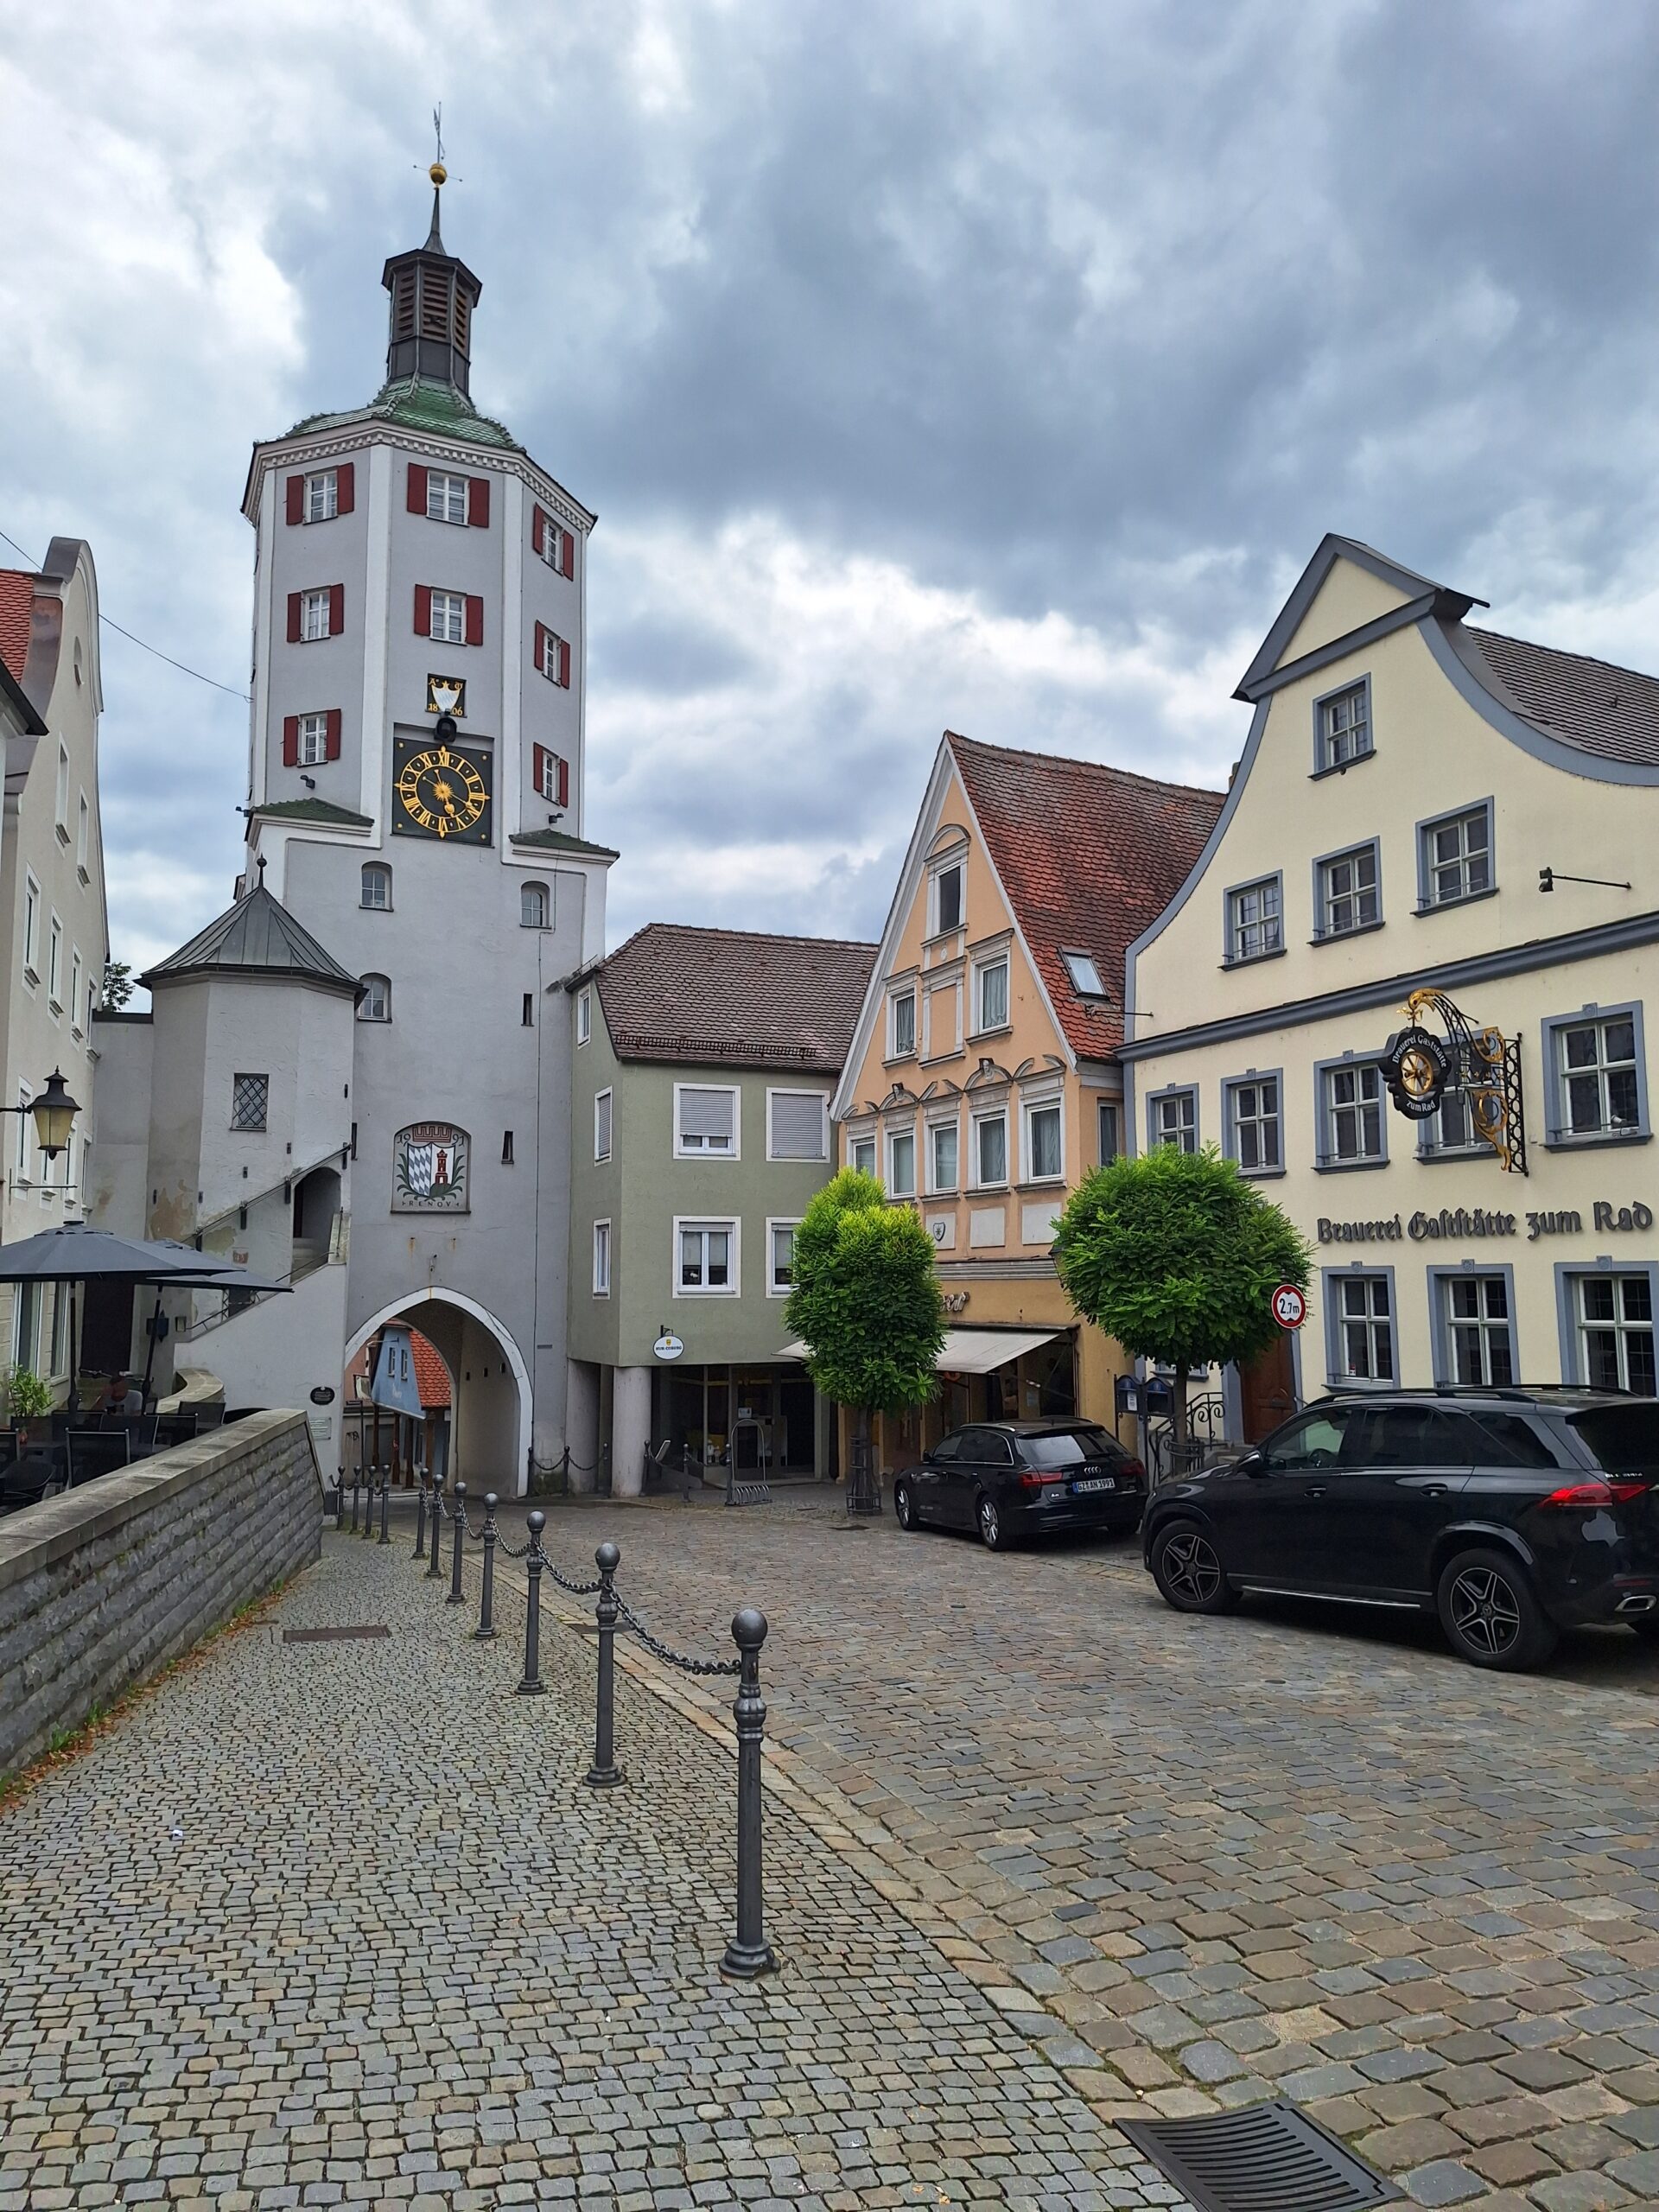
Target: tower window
(377, 886)
(250, 1101)
(322, 496)
(314, 616)
(376, 1002)
(507, 1148)
(532, 906)
(448, 625)
(529, 1010)
(313, 740)
(446, 498)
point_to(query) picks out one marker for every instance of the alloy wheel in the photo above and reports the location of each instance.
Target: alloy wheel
(903, 1509)
(1485, 1611)
(1191, 1568)
(990, 1528)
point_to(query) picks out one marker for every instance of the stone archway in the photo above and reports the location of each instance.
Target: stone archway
(491, 1409)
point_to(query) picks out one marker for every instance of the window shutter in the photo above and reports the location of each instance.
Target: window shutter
(564, 783)
(336, 609)
(331, 736)
(416, 488)
(346, 486)
(540, 645)
(706, 1113)
(296, 498)
(538, 530)
(538, 769)
(564, 664)
(293, 618)
(422, 610)
(567, 553)
(474, 620)
(796, 1126)
(478, 503)
(290, 740)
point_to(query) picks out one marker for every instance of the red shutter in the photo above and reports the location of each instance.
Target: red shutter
(296, 498)
(422, 610)
(541, 647)
(564, 783)
(336, 609)
(567, 550)
(416, 488)
(290, 740)
(331, 736)
(293, 618)
(538, 531)
(478, 502)
(346, 486)
(564, 664)
(474, 620)
(538, 769)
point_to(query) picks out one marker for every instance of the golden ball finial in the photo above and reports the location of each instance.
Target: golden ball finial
(438, 174)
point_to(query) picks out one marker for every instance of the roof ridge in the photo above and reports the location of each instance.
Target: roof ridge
(1070, 760)
(764, 936)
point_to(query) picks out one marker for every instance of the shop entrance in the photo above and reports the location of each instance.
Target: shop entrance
(762, 1419)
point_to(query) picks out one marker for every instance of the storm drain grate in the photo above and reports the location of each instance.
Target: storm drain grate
(332, 1635)
(1268, 2157)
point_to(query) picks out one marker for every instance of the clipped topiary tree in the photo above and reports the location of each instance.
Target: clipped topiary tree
(866, 1300)
(1177, 1256)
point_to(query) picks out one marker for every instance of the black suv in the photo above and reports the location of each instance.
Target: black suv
(1513, 1513)
(1014, 1478)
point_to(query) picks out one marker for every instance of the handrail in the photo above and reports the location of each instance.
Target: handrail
(253, 1197)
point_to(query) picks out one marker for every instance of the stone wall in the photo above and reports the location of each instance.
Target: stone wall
(102, 1586)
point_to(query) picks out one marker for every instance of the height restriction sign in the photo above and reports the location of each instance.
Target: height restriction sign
(1289, 1307)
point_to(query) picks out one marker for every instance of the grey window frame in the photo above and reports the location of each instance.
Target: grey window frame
(1103, 1107)
(1561, 1140)
(1155, 1098)
(250, 1128)
(1440, 1319)
(1337, 1378)
(1095, 990)
(857, 1143)
(1234, 1083)
(1230, 957)
(1322, 933)
(1325, 1161)
(1567, 1274)
(1428, 1151)
(1322, 764)
(1427, 902)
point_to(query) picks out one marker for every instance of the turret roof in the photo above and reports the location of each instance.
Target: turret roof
(255, 936)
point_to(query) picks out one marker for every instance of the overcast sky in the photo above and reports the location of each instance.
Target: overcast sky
(985, 363)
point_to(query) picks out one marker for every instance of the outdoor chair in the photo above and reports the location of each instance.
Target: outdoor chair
(139, 1429)
(93, 1452)
(168, 1429)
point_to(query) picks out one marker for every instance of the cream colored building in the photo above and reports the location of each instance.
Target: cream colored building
(982, 1083)
(54, 931)
(1407, 777)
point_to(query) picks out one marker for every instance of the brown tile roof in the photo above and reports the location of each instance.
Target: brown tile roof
(431, 1375)
(1089, 856)
(674, 992)
(17, 601)
(1603, 710)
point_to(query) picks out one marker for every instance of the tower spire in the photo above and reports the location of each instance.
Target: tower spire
(433, 295)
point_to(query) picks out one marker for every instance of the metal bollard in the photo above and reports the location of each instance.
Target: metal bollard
(604, 1773)
(368, 1509)
(339, 1499)
(748, 1954)
(356, 1478)
(385, 1510)
(485, 1630)
(532, 1684)
(420, 1519)
(434, 1570)
(459, 1514)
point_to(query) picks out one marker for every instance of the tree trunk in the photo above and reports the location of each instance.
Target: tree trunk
(1178, 1406)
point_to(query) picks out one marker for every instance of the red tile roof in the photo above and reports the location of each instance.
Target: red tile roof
(674, 992)
(431, 1375)
(17, 602)
(1089, 856)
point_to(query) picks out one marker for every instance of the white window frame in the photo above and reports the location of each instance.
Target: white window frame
(1619, 1326)
(996, 1117)
(380, 872)
(1366, 1317)
(539, 890)
(905, 1135)
(603, 1258)
(23, 1099)
(364, 1011)
(895, 999)
(698, 1148)
(313, 739)
(956, 866)
(938, 1186)
(1104, 1107)
(83, 838)
(584, 1016)
(55, 965)
(774, 1288)
(31, 930)
(448, 608)
(552, 551)
(549, 787)
(441, 487)
(803, 1159)
(552, 648)
(865, 1142)
(315, 609)
(609, 1097)
(1028, 1108)
(1477, 1331)
(77, 968)
(692, 1225)
(60, 799)
(983, 969)
(321, 499)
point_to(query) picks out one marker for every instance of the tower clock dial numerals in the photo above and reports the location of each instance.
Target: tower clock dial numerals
(441, 790)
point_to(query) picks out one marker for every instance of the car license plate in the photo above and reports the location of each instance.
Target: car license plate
(1092, 1483)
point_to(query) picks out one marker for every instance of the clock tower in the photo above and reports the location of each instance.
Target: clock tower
(415, 797)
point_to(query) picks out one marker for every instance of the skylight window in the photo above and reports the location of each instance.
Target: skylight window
(1084, 974)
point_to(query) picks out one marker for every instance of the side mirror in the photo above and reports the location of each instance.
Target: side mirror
(1251, 1464)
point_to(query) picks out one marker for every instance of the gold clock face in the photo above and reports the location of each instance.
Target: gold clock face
(441, 790)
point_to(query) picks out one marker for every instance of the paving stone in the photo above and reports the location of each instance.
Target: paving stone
(1446, 2182)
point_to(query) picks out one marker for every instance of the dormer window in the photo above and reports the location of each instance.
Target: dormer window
(947, 898)
(1085, 972)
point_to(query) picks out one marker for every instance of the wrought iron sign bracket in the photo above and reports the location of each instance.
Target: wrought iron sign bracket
(1482, 1064)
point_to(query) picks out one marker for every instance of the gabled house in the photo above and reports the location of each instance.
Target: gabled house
(983, 1079)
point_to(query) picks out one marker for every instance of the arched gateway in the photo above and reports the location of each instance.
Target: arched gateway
(490, 1421)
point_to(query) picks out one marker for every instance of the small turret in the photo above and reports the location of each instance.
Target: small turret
(433, 295)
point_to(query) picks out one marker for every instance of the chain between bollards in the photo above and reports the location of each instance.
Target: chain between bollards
(485, 1630)
(748, 1954)
(459, 1516)
(604, 1773)
(532, 1684)
(434, 1572)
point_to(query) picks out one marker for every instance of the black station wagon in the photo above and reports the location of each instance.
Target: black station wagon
(1512, 1513)
(1009, 1479)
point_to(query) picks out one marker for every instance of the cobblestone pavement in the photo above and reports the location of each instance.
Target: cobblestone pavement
(397, 1954)
(1203, 1861)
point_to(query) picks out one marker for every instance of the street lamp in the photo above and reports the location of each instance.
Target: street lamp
(55, 1113)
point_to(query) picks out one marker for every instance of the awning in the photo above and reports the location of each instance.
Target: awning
(972, 1352)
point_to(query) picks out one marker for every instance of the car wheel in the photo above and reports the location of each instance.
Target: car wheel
(904, 1505)
(988, 1520)
(1187, 1569)
(1646, 1626)
(1490, 1614)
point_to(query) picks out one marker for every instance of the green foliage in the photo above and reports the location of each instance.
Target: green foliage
(28, 1396)
(866, 1300)
(117, 984)
(1177, 1256)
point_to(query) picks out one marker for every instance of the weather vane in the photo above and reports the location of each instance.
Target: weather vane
(440, 174)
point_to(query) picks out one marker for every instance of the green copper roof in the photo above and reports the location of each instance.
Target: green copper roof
(439, 409)
(556, 841)
(314, 809)
(256, 936)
